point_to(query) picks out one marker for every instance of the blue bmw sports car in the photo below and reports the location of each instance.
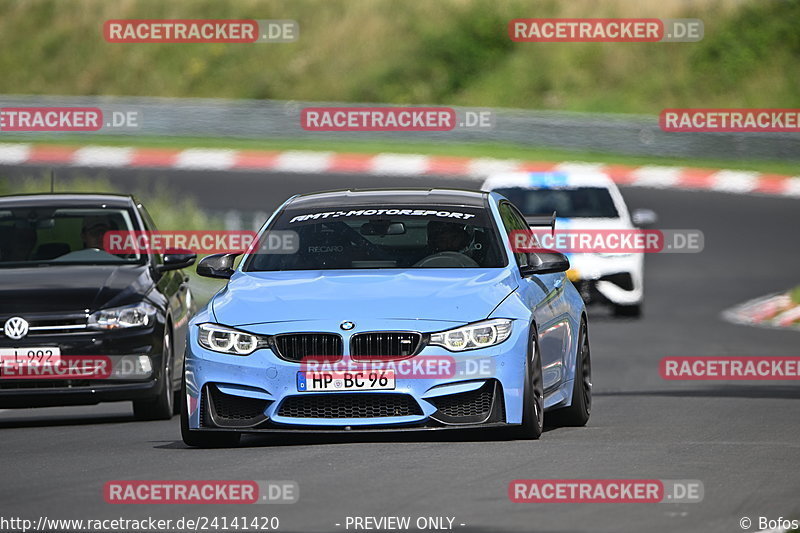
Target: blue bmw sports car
(387, 309)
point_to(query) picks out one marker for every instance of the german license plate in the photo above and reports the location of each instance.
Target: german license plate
(30, 357)
(308, 381)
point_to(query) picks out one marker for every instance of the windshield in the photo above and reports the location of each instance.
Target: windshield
(578, 202)
(386, 237)
(61, 235)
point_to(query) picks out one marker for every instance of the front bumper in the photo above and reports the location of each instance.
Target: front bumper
(133, 359)
(260, 392)
(610, 279)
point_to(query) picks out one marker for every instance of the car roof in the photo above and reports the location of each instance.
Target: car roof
(548, 180)
(395, 196)
(66, 200)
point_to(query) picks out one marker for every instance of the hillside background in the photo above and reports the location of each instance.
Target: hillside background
(452, 52)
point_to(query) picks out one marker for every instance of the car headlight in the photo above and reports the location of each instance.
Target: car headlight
(472, 336)
(128, 316)
(227, 340)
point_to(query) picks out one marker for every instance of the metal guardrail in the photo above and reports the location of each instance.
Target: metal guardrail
(273, 119)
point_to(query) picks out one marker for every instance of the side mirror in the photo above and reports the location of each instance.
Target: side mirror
(548, 262)
(217, 266)
(548, 221)
(644, 217)
(177, 259)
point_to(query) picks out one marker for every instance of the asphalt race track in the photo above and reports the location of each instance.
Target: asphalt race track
(741, 440)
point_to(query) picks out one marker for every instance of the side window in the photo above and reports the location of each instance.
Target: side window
(513, 221)
(150, 226)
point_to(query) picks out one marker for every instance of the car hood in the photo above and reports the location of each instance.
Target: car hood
(456, 295)
(71, 288)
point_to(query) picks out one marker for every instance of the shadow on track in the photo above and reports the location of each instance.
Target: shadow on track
(781, 392)
(68, 420)
(256, 440)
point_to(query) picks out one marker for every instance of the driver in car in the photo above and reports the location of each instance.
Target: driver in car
(447, 242)
(93, 230)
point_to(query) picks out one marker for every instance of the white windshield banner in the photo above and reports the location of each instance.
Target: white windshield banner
(456, 215)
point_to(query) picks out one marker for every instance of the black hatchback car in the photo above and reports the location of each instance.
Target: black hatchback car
(80, 325)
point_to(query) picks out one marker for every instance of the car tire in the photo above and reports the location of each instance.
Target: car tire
(162, 407)
(198, 438)
(533, 394)
(630, 311)
(580, 409)
(176, 403)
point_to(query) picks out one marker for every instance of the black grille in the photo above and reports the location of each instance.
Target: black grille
(203, 411)
(323, 347)
(344, 405)
(476, 403)
(228, 410)
(384, 345)
(230, 407)
(622, 280)
(589, 292)
(52, 324)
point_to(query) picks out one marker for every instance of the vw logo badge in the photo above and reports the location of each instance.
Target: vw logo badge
(346, 325)
(15, 327)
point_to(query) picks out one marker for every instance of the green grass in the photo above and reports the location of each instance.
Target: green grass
(450, 52)
(491, 150)
(794, 294)
(170, 211)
